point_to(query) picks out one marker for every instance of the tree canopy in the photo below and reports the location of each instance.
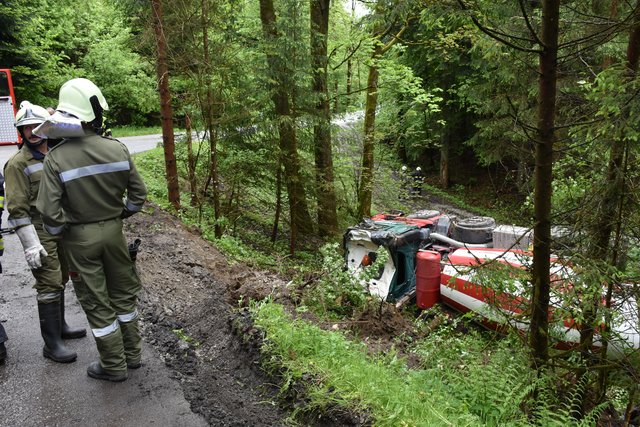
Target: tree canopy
(532, 104)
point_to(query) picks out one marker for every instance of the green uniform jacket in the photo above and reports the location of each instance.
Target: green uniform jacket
(1, 208)
(22, 175)
(85, 180)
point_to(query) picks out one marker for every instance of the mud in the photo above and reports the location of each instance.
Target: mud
(187, 316)
(192, 313)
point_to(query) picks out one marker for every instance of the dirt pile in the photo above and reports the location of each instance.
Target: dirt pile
(187, 286)
(189, 303)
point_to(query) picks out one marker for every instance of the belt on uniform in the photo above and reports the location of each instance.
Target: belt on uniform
(93, 222)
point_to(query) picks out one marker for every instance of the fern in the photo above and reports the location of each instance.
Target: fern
(495, 390)
(548, 412)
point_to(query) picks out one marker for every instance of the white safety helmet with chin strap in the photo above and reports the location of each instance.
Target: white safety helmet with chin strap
(30, 114)
(83, 99)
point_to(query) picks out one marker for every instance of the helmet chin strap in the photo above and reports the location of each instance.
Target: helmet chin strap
(29, 143)
(97, 123)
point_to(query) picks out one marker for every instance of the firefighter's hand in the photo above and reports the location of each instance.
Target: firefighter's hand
(34, 256)
(33, 250)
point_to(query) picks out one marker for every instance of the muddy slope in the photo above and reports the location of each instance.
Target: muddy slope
(189, 301)
(187, 286)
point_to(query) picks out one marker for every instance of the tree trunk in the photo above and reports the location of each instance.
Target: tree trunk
(191, 163)
(445, 150)
(614, 185)
(365, 187)
(166, 113)
(300, 217)
(610, 211)
(366, 170)
(326, 195)
(209, 119)
(349, 78)
(276, 215)
(523, 175)
(349, 51)
(538, 335)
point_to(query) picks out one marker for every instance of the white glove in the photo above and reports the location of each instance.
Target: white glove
(33, 250)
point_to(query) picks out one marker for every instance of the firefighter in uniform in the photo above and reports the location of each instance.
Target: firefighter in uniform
(82, 191)
(44, 253)
(3, 334)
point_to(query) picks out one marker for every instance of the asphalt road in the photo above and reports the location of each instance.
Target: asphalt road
(38, 392)
(135, 144)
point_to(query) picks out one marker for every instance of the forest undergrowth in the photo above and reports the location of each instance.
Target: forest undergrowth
(339, 350)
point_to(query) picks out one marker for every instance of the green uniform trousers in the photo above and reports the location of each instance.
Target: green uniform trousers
(52, 277)
(107, 285)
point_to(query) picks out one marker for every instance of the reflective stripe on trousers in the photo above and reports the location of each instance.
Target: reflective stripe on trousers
(101, 332)
(128, 317)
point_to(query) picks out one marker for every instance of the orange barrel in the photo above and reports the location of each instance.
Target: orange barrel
(427, 279)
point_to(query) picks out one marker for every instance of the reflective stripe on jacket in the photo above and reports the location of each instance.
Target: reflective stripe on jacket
(1, 196)
(85, 180)
(22, 177)
(1, 208)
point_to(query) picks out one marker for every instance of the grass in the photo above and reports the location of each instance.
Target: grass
(463, 380)
(458, 196)
(123, 131)
(344, 375)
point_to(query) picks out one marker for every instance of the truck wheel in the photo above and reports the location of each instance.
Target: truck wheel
(475, 229)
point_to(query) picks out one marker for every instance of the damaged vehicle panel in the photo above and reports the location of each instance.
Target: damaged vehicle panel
(403, 236)
(435, 258)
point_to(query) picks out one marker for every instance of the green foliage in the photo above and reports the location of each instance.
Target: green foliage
(548, 411)
(506, 215)
(184, 337)
(124, 131)
(152, 168)
(344, 375)
(337, 292)
(465, 378)
(490, 376)
(240, 252)
(444, 84)
(55, 41)
(252, 245)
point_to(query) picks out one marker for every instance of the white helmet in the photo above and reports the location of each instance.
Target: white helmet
(418, 169)
(30, 114)
(82, 99)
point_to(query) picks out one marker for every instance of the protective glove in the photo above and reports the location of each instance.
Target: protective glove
(33, 250)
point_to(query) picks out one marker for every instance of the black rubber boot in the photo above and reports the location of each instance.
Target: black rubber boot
(51, 329)
(94, 370)
(3, 349)
(132, 343)
(69, 333)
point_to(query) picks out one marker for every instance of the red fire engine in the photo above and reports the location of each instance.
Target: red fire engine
(8, 133)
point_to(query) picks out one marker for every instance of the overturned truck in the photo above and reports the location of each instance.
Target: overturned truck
(406, 238)
(436, 258)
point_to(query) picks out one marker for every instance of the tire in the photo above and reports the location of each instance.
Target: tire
(475, 229)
